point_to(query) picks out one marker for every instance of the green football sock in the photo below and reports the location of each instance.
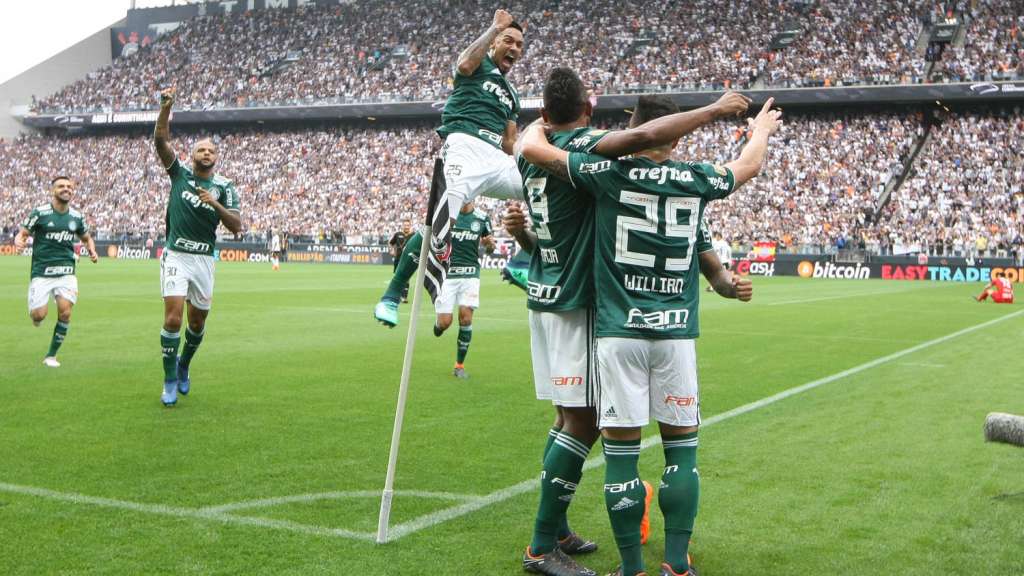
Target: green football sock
(192, 342)
(60, 331)
(624, 498)
(465, 335)
(552, 434)
(169, 342)
(563, 468)
(678, 497)
(408, 261)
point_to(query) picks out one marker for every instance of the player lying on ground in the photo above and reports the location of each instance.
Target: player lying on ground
(1000, 289)
(199, 201)
(560, 294)
(647, 219)
(462, 288)
(54, 228)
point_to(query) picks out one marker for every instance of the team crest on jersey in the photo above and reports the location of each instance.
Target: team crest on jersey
(720, 170)
(72, 226)
(475, 226)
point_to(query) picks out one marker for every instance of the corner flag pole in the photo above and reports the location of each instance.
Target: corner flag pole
(410, 342)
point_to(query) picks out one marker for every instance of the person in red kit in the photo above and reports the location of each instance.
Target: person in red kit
(1000, 289)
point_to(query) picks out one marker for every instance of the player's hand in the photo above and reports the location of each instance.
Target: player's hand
(94, 256)
(167, 97)
(767, 120)
(514, 219)
(205, 196)
(744, 288)
(732, 104)
(502, 19)
(19, 242)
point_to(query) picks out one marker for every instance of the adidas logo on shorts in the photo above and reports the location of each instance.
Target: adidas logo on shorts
(623, 504)
(610, 412)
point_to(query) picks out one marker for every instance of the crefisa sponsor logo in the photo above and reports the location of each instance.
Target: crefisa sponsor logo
(808, 269)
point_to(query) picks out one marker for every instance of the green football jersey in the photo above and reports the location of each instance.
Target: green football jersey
(481, 104)
(53, 240)
(191, 223)
(647, 223)
(469, 229)
(704, 238)
(562, 264)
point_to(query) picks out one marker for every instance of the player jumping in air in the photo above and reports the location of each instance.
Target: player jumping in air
(54, 228)
(199, 201)
(478, 125)
(560, 297)
(648, 211)
(1000, 289)
(462, 288)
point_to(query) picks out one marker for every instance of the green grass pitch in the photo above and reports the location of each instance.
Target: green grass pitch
(882, 471)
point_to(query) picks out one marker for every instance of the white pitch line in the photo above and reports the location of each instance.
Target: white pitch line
(473, 503)
(434, 518)
(181, 512)
(336, 495)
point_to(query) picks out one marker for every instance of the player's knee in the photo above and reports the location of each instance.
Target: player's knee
(669, 430)
(581, 423)
(64, 316)
(444, 321)
(559, 417)
(465, 317)
(38, 315)
(196, 325)
(172, 321)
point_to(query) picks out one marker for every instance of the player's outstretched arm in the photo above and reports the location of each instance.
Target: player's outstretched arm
(515, 222)
(668, 129)
(508, 139)
(162, 133)
(539, 152)
(724, 282)
(751, 160)
(472, 56)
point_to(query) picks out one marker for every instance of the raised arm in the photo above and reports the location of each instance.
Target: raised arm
(539, 152)
(472, 56)
(162, 133)
(724, 282)
(751, 159)
(668, 129)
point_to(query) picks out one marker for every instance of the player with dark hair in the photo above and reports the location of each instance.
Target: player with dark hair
(1000, 289)
(560, 296)
(648, 211)
(54, 228)
(478, 125)
(199, 201)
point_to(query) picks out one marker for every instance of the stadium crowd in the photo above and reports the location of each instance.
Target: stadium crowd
(395, 50)
(820, 191)
(964, 196)
(993, 46)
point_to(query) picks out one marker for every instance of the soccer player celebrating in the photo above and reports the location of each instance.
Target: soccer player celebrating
(478, 125)
(199, 201)
(462, 288)
(648, 211)
(1000, 289)
(54, 228)
(560, 296)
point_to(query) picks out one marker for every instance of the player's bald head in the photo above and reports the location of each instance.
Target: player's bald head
(204, 154)
(204, 143)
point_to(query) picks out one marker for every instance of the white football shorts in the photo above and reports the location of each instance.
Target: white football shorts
(638, 379)
(458, 292)
(188, 275)
(562, 346)
(474, 168)
(40, 289)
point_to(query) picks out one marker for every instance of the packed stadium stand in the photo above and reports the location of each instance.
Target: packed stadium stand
(876, 178)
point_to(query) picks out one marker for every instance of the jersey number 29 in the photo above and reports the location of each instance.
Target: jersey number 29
(669, 212)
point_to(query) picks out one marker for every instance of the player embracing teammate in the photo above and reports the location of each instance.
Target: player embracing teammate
(647, 218)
